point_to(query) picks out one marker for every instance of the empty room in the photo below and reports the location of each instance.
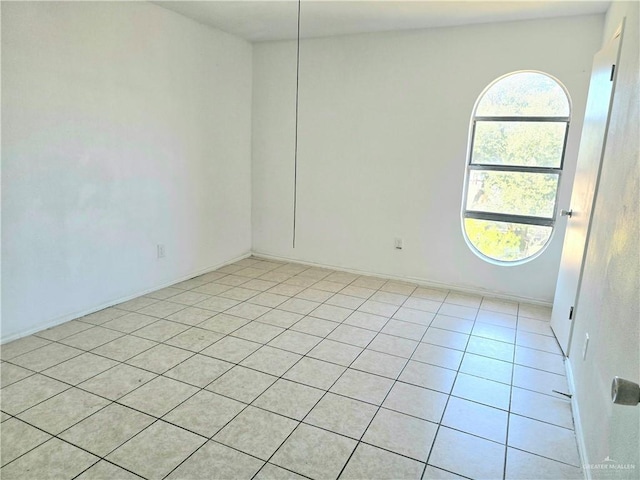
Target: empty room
(320, 239)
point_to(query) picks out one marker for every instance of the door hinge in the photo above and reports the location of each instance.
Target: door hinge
(613, 70)
(571, 313)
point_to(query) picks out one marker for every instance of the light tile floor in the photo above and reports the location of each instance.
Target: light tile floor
(269, 370)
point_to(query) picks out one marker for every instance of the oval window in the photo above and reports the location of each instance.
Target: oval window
(517, 141)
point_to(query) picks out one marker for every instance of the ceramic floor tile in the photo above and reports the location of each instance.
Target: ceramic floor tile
(107, 429)
(104, 470)
(164, 293)
(117, 382)
(64, 410)
(256, 432)
(194, 339)
(549, 362)
(64, 330)
(272, 472)
(362, 386)
(491, 348)
(205, 413)
(271, 360)
(498, 319)
(335, 352)
(434, 473)
(543, 439)
(378, 308)
(17, 438)
(460, 311)
(286, 290)
(538, 342)
(217, 304)
(248, 311)
(366, 320)
(360, 337)
(416, 401)
(45, 357)
(373, 283)
(191, 316)
(467, 455)
(423, 304)
(124, 348)
(161, 309)
(314, 452)
(315, 326)
(428, 376)
(160, 358)
(158, 396)
(290, 399)
(453, 324)
(12, 373)
(539, 381)
(411, 315)
(212, 288)
(402, 288)
(28, 392)
(341, 277)
(408, 436)
(388, 297)
(403, 329)
(52, 460)
(267, 299)
(488, 368)
(464, 299)
(542, 407)
(499, 305)
(342, 415)
(199, 370)
(439, 356)
(258, 332)
(523, 465)
(476, 419)
(231, 349)
(130, 322)
(372, 462)
(223, 323)
(379, 363)
(483, 391)
(156, 451)
(80, 368)
(243, 384)
(104, 315)
(537, 312)
(494, 332)
(91, 338)
(161, 330)
(357, 291)
(298, 305)
(331, 313)
(259, 285)
(280, 318)
(296, 342)
(446, 338)
(534, 326)
(189, 298)
(400, 347)
(345, 301)
(136, 304)
(21, 346)
(218, 461)
(315, 373)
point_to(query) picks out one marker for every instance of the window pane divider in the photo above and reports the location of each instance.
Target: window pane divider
(509, 218)
(520, 119)
(514, 168)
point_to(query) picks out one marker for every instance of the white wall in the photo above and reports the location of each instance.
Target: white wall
(124, 126)
(383, 134)
(608, 308)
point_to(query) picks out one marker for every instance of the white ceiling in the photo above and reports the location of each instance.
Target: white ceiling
(266, 20)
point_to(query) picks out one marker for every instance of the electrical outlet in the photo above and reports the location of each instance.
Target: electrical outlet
(398, 243)
(585, 346)
(160, 249)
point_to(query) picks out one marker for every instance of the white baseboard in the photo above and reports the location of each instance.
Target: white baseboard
(419, 281)
(110, 303)
(577, 423)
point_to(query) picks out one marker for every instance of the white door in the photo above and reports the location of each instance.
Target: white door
(585, 184)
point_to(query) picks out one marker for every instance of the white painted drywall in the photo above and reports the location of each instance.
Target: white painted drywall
(608, 308)
(383, 129)
(124, 126)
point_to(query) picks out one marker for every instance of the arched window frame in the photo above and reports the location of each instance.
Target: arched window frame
(490, 167)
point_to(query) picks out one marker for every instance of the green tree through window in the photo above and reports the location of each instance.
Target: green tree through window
(518, 136)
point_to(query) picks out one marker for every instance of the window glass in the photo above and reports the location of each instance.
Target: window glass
(518, 136)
